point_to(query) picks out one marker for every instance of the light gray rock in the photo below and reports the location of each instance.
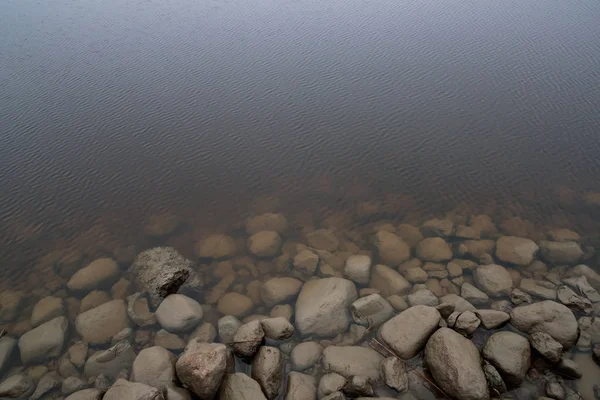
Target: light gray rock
(264, 244)
(301, 387)
(423, 297)
(47, 383)
(394, 374)
(277, 328)
(202, 368)
(510, 353)
(547, 316)
(240, 386)
(160, 271)
(353, 360)
(248, 339)
(493, 279)
(516, 250)
(532, 287)
(569, 298)
(592, 276)
(581, 285)
(123, 389)
(323, 307)
(139, 311)
(154, 366)
(372, 310)
(205, 332)
(305, 355)
(305, 264)
(330, 383)
(279, 290)
(100, 273)
(434, 249)
(455, 365)
(407, 333)
(267, 222)
(388, 281)
(179, 313)
(467, 323)
(492, 319)
(416, 275)
(519, 297)
(560, 252)
(228, 326)
(100, 324)
(458, 302)
(267, 370)
(73, 384)
(169, 341)
(43, 342)
(358, 269)
(18, 386)
(110, 362)
(549, 348)
(7, 346)
(48, 308)
(473, 295)
(87, 394)
(390, 248)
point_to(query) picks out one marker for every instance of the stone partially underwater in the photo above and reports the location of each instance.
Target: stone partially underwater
(457, 308)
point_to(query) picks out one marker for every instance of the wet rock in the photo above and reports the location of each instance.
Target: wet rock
(73, 384)
(519, 297)
(267, 370)
(161, 225)
(45, 341)
(154, 366)
(100, 324)
(581, 285)
(467, 323)
(301, 387)
(10, 304)
(372, 310)
(48, 308)
(569, 368)
(416, 275)
(532, 287)
(437, 227)
(322, 308)
(330, 383)
(228, 326)
(47, 383)
(139, 311)
(121, 289)
(494, 380)
(353, 360)
(458, 302)
(407, 333)
(94, 299)
(410, 234)
(572, 300)
(267, 222)
(358, 269)
(87, 394)
(179, 313)
(423, 297)
(160, 271)
(100, 273)
(78, 353)
(549, 348)
(560, 252)
(177, 393)
(434, 249)
(555, 390)
(339, 396)
(473, 295)
(397, 302)
(277, 328)
(394, 374)
(18, 386)
(282, 310)
(390, 248)
(516, 250)
(510, 354)
(240, 386)
(596, 354)
(202, 368)
(547, 316)
(492, 319)
(455, 365)
(235, 304)
(323, 239)
(248, 339)
(388, 281)
(169, 341)
(265, 244)
(305, 355)
(357, 386)
(305, 264)
(123, 389)
(592, 276)
(216, 246)
(279, 290)
(494, 280)
(110, 362)
(7, 346)
(66, 368)
(477, 248)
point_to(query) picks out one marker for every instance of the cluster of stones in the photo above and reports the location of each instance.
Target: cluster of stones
(400, 312)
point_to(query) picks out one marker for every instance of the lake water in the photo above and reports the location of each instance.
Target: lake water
(339, 114)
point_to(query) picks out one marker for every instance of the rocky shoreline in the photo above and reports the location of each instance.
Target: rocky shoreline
(454, 308)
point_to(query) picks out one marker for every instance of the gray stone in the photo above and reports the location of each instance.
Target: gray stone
(277, 328)
(100, 273)
(555, 390)
(549, 348)
(267, 370)
(264, 244)
(510, 354)
(305, 355)
(48, 308)
(358, 386)
(47, 383)
(139, 311)
(407, 333)
(322, 308)
(202, 367)
(45, 341)
(519, 297)
(217, 246)
(87, 394)
(279, 290)
(516, 250)
(532, 287)
(205, 332)
(78, 353)
(353, 360)
(592, 276)
(560, 252)
(228, 326)
(458, 302)
(179, 313)
(569, 368)
(547, 316)
(467, 323)
(572, 300)
(372, 310)
(154, 366)
(358, 269)
(100, 324)
(240, 386)
(492, 319)
(73, 384)
(581, 285)
(437, 227)
(110, 362)
(323, 239)
(494, 380)
(160, 271)
(473, 295)
(177, 393)
(123, 389)
(248, 339)
(424, 297)
(394, 374)
(18, 386)
(7, 346)
(434, 249)
(335, 396)
(169, 341)
(416, 275)
(10, 304)
(330, 383)
(391, 250)
(455, 365)
(305, 264)
(267, 222)
(494, 280)
(301, 387)
(388, 281)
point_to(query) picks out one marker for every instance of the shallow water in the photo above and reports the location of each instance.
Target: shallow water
(344, 115)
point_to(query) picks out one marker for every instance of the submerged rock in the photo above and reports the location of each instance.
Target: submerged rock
(138, 310)
(265, 244)
(305, 355)
(353, 360)
(509, 352)
(492, 319)
(494, 280)
(267, 370)
(110, 362)
(248, 339)
(267, 222)
(372, 310)
(217, 246)
(45, 341)
(18, 386)
(240, 386)
(179, 313)
(155, 366)
(394, 374)
(388, 281)
(516, 250)
(123, 389)
(100, 273)
(358, 269)
(100, 324)
(279, 290)
(48, 308)
(87, 394)
(549, 348)
(391, 249)
(560, 252)
(202, 367)
(434, 249)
